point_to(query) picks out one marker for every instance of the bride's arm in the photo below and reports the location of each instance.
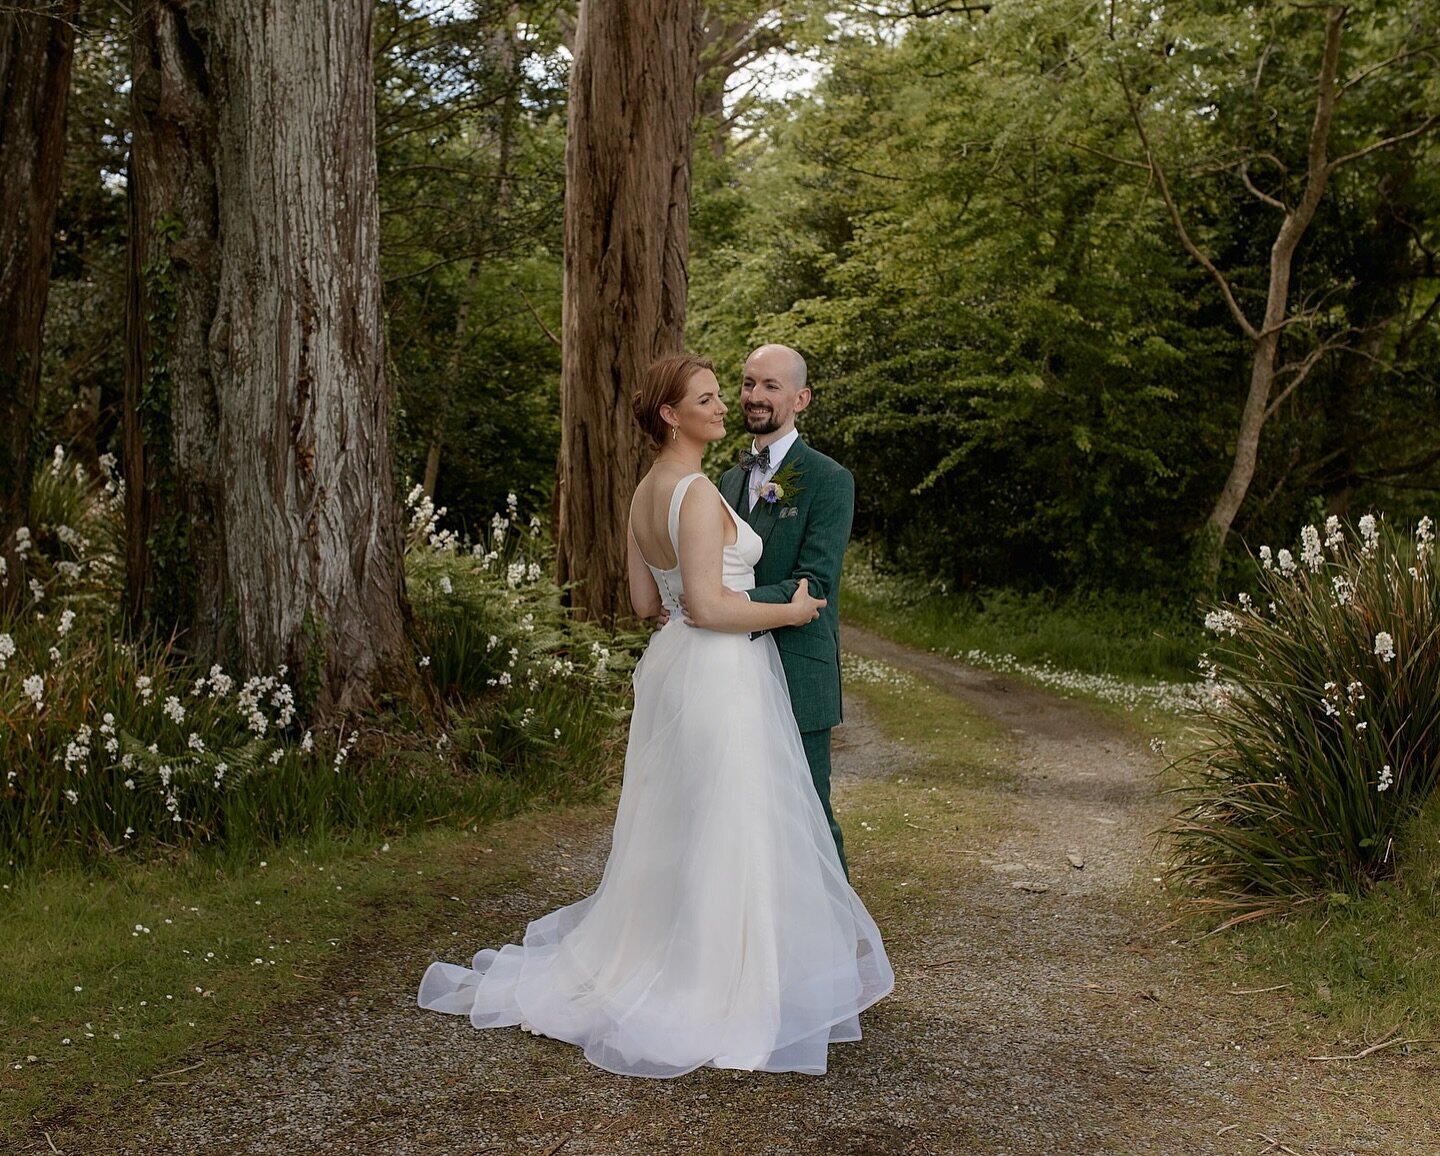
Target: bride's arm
(708, 602)
(644, 594)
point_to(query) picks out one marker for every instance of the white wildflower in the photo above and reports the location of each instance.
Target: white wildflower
(72, 797)
(1286, 563)
(57, 463)
(7, 649)
(173, 710)
(1386, 778)
(1384, 646)
(1343, 589)
(67, 620)
(1217, 622)
(1310, 552)
(143, 685)
(1369, 534)
(1334, 536)
(34, 687)
(445, 584)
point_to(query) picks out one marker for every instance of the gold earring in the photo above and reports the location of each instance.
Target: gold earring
(674, 433)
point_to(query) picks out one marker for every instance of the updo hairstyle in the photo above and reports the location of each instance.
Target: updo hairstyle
(664, 384)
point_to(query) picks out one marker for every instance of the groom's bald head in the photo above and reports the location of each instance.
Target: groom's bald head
(774, 391)
(781, 358)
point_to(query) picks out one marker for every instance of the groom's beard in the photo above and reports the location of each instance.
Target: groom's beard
(761, 421)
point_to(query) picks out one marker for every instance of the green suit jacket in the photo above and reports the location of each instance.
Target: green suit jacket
(805, 536)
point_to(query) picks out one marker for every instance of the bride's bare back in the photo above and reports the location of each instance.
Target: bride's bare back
(650, 514)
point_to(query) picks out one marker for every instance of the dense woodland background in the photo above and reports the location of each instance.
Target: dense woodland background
(1034, 253)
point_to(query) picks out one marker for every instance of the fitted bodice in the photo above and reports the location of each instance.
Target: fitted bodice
(738, 559)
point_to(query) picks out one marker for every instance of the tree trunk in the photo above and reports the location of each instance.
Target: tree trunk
(256, 400)
(1277, 306)
(35, 56)
(627, 207)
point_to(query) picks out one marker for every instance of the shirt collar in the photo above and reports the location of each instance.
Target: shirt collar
(779, 448)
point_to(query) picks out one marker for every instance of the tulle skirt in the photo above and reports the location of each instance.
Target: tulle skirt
(723, 931)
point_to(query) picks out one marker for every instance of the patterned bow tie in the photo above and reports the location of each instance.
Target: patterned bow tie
(761, 460)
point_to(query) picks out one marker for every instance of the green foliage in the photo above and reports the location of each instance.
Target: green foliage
(1111, 636)
(1326, 723)
(1036, 386)
(112, 747)
(1365, 964)
(471, 123)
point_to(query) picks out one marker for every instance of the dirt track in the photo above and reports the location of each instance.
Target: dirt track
(1053, 1017)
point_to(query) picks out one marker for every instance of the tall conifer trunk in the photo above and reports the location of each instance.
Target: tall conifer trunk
(35, 58)
(627, 235)
(266, 527)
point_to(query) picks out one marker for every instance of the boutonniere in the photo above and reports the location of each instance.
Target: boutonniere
(781, 490)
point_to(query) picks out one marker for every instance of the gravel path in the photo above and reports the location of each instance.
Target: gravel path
(1054, 1017)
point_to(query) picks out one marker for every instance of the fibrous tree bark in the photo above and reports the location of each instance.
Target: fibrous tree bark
(263, 520)
(627, 203)
(36, 50)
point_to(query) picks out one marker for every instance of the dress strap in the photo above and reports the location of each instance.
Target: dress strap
(676, 498)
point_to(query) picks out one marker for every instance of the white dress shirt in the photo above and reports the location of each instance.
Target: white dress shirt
(778, 450)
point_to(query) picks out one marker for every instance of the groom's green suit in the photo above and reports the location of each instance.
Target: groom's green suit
(805, 535)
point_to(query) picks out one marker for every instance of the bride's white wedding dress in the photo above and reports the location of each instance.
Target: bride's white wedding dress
(723, 932)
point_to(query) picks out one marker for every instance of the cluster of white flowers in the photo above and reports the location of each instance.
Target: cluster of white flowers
(1369, 534)
(867, 670)
(1222, 622)
(1310, 552)
(1384, 646)
(173, 710)
(1337, 703)
(1170, 697)
(7, 649)
(1386, 778)
(1344, 589)
(342, 751)
(34, 688)
(1286, 562)
(144, 687)
(107, 729)
(1334, 535)
(77, 750)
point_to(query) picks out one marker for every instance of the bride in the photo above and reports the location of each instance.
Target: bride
(723, 932)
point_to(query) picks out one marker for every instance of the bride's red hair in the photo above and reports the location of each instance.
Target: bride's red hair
(664, 384)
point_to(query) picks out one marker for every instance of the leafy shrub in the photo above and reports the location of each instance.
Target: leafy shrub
(108, 746)
(1326, 725)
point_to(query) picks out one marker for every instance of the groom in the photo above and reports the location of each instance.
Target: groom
(801, 503)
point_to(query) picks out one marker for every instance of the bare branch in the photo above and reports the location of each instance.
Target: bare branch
(1301, 371)
(1419, 50)
(1190, 247)
(1389, 142)
(1266, 197)
(540, 321)
(1111, 157)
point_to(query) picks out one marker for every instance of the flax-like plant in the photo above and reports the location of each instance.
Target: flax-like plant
(1325, 723)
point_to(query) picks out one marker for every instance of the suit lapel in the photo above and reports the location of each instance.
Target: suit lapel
(764, 517)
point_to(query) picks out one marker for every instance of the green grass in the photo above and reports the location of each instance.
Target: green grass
(224, 948)
(1361, 967)
(1126, 637)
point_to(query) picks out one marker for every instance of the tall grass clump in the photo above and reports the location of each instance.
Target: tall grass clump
(1326, 727)
(117, 746)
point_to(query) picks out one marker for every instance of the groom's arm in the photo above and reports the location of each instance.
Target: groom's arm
(822, 548)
